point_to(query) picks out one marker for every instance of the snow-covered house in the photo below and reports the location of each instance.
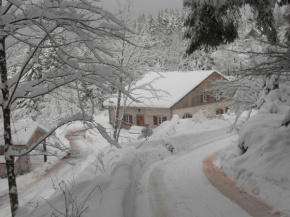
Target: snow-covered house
(164, 94)
(23, 136)
(253, 34)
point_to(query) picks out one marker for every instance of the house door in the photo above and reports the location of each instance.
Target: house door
(140, 120)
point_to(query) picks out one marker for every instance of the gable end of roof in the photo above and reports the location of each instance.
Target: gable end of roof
(214, 71)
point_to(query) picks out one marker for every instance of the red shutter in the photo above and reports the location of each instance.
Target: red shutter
(164, 118)
(189, 116)
(183, 117)
(155, 120)
(131, 119)
(201, 98)
(208, 98)
(124, 120)
(222, 111)
(217, 111)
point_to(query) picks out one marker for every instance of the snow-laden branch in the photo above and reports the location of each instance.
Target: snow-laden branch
(39, 91)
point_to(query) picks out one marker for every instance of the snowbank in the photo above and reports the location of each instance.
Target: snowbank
(259, 160)
(108, 179)
(124, 188)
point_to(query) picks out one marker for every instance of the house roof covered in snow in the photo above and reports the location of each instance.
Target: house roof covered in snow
(21, 132)
(170, 87)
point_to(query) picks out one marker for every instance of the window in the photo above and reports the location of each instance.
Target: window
(205, 97)
(128, 119)
(186, 116)
(159, 119)
(219, 111)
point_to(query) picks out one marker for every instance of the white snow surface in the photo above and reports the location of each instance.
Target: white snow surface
(264, 169)
(178, 186)
(21, 132)
(155, 89)
(143, 179)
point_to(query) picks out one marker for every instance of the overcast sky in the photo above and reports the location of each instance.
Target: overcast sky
(146, 6)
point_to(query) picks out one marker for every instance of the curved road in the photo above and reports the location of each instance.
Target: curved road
(179, 187)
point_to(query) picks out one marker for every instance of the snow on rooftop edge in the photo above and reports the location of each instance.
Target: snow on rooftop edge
(171, 86)
(21, 132)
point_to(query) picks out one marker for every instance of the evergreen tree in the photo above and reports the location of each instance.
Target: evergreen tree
(212, 23)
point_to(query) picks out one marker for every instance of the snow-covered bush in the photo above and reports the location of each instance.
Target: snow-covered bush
(104, 161)
(202, 116)
(166, 128)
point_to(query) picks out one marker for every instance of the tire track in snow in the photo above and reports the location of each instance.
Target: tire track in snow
(178, 187)
(156, 186)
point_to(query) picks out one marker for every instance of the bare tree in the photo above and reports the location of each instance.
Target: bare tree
(37, 24)
(135, 55)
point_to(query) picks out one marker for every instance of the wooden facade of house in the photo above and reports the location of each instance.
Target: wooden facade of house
(197, 96)
(191, 103)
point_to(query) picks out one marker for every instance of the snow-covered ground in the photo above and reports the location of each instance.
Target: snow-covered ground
(142, 179)
(178, 187)
(263, 170)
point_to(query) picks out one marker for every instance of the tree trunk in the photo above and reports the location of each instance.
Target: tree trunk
(13, 194)
(119, 126)
(123, 114)
(117, 114)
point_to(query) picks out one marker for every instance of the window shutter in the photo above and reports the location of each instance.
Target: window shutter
(208, 98)
(164, 118)
(222, 111)
(183, 117)
(155, 120)
(201, 98)
(131, 119)
(124, 118)
(190, 116)
(217, 111)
